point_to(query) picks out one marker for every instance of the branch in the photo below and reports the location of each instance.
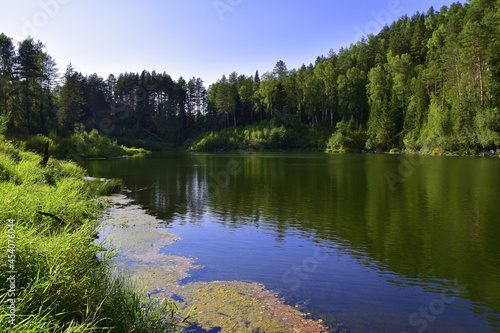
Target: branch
(53, 216)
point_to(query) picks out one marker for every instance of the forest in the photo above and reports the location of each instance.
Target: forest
(428, 82)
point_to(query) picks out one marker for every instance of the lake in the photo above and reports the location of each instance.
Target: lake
(366, 242)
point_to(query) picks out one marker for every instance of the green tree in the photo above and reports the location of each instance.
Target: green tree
(71, 100)
(418, 108)
(487, 127)
(437, 129)
(257, 77)
(352, 95)
(381, 125)
(31, 95)
(7, 59)
(223, 95)
(328, 74)
(266, 92)
(310, 93)
(401, 72)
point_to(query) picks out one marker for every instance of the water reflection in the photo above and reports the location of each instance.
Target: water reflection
(434, 229)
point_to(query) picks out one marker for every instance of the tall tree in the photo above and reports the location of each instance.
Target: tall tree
(7, 59)
(401, 71)
(257, 77)
(29, 68)
(381, 125)
(352, 95)
(328, 73)
(71, 100)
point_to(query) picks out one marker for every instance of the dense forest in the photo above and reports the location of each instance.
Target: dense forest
(429, 82)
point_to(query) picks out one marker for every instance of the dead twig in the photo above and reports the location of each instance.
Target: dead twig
(53, 216)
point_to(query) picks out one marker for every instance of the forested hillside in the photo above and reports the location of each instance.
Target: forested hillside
(428, 82)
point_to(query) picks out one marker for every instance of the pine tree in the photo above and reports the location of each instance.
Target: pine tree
(256, 77)
(71, 100)
(7, 58)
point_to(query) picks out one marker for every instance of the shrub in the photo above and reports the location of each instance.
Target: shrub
(346, 137)
(4, 121)
(37, 144)
(276, 138)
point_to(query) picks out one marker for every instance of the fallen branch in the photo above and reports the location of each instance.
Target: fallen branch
(53, 216)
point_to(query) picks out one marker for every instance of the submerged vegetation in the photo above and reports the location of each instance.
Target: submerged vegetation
(48, 221)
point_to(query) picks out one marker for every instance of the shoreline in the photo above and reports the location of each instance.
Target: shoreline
(341, 152)
(60, 278)
(246, 306)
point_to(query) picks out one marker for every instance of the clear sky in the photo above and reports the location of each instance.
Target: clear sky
(201, 38)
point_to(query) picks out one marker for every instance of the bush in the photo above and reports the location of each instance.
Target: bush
(346, 138)
(259, 137)
(277, 138)
(83, 145)
(4, 121)
(37, 144)
(487, 123)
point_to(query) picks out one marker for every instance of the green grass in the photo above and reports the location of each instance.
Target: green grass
(81, 145)
(64, 282)
(104, 187)
(261, 137)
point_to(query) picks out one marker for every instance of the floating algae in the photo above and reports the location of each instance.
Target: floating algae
(139, 238)
(244, 307)
(228, 306)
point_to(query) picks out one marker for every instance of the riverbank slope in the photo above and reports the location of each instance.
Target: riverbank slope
(50, 276)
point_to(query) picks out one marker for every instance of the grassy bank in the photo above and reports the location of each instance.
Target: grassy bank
(261, 137)
(345, 138)
(77, 146)
(51, 279)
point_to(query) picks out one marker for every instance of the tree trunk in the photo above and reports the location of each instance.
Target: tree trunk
(481, 81)
(458, 80)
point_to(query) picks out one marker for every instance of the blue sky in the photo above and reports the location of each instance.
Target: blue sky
(202, 38)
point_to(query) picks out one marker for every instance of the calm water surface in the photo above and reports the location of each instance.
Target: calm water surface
(368, 243)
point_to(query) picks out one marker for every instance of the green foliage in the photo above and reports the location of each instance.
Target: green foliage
(104, 187)
(64, 279)
(71, 100)
(37, 144)
(346, 138)
(4, 120)
(424, 82)
(261, 137)
(487, 124)
(436, 130)
(277, 138)
(81, 145)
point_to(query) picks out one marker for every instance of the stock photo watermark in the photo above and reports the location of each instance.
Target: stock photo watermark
(10, 300)
(221, 179)
(406, 169)
(420, 319)
(41, 18)
(298, 273)
(222, 7)
(381, 18)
